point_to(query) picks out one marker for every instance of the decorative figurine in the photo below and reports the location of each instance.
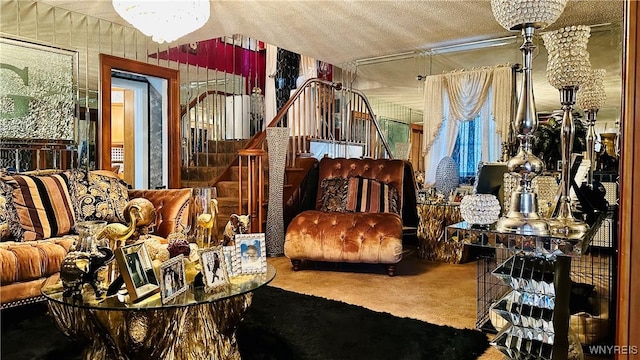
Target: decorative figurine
(80, 267)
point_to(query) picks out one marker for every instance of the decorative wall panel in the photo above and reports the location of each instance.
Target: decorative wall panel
(37, 99)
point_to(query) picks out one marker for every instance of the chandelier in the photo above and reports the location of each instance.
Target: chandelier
(164, 21)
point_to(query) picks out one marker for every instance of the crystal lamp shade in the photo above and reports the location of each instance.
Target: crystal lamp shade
(164, 21)
(568, 61)
(514, 14)
(591, 95)
(480, 209)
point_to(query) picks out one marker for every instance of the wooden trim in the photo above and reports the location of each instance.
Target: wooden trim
(108, 63)
(628, 309)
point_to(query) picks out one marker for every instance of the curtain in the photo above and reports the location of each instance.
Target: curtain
(467, 92)
(503, 93)
(270, 84)
(461, 96)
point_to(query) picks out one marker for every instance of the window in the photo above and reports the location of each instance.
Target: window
(475, 138)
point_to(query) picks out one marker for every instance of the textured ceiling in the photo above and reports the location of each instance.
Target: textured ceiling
(346, 31)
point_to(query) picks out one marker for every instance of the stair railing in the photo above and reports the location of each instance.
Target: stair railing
(322, 117)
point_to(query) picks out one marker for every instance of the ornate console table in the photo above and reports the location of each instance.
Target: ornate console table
(536, 309)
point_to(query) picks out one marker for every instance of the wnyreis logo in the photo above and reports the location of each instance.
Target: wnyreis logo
(613, 349)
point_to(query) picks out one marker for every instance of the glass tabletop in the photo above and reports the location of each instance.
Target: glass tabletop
(239, 285)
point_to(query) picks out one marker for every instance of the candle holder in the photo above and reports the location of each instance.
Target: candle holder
(526, 16)
(568, 68)
(591, 98)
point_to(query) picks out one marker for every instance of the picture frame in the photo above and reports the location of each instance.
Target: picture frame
(457, 195)
(137, 271)
(232, 260)
(173, 278)
(251, 250)
(214, 268)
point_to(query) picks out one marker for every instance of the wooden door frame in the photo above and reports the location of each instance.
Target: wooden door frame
(109, 63)
(628, 299)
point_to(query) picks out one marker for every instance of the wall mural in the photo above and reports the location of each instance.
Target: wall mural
(36, 92)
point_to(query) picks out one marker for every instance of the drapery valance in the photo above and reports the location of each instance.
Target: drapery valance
(467, 91)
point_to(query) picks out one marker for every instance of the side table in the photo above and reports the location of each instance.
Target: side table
(432, 242)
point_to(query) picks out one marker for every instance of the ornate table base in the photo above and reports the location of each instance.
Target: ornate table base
(433, 244)
(203, 331)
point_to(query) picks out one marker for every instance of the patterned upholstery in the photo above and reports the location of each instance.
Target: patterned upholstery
(43, 204)
(99, 195)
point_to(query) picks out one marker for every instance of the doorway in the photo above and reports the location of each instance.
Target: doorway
(171, 118)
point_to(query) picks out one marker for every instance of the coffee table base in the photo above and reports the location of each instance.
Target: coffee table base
(205, 331)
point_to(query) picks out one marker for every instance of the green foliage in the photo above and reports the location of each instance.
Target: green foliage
(548, 139)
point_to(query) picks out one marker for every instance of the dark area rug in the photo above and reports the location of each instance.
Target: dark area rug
(279, 325)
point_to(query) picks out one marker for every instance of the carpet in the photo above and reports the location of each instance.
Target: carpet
(279, 325)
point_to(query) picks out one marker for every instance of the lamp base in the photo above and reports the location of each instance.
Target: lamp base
(522, 217)
(523, 226)
(568, 228)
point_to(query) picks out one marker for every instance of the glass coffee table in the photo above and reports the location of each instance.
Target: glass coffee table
(194, 325)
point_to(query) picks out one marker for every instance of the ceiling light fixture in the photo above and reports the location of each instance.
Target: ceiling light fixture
(164, 21)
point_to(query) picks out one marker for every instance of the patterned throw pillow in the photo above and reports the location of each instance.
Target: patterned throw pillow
(99, 195)
(334, 194)
(369, 195)
(10, 228)
(43, 205)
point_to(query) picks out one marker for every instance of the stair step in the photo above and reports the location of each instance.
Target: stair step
(214, 159)
(226, 146)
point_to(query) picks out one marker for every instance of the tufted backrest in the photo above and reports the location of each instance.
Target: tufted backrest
(172, 208)
(384, 170)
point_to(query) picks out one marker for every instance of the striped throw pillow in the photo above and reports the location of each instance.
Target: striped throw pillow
(370, 195)
(43, 205)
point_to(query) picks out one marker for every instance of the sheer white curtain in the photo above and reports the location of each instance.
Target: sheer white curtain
(460, 96)
(270, 84)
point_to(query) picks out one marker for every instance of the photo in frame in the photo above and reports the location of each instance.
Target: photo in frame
(137, 271)
(457, 195)
(251, 249)
(232, 260)
(214, 268)
(172, 278)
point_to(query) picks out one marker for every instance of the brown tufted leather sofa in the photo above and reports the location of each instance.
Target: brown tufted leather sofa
(355, 237)
(27, 266)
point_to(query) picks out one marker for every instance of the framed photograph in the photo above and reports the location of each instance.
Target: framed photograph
(137, 272)
(457, 195)
(232, 260)
(214, 268)
(252, 252)
(172, 278)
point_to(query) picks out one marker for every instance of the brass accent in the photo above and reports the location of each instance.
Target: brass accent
(431, 233)
(204, 331)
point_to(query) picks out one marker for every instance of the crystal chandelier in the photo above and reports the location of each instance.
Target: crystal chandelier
(591, 98)
(568, 68)
(164, 21)
(522, 216)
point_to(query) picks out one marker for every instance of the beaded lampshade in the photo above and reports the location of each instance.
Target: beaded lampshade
(568, 61)
(591, 95)
(514, 14)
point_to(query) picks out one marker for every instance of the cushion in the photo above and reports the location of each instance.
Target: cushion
(334, 194)
(10, 228)
(43, 204)
(370, 195)
(99, 195)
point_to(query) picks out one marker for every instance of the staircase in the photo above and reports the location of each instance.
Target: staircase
(310, 114)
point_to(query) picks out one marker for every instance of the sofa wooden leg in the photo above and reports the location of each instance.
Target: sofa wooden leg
(391, 269)
(296, 264)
